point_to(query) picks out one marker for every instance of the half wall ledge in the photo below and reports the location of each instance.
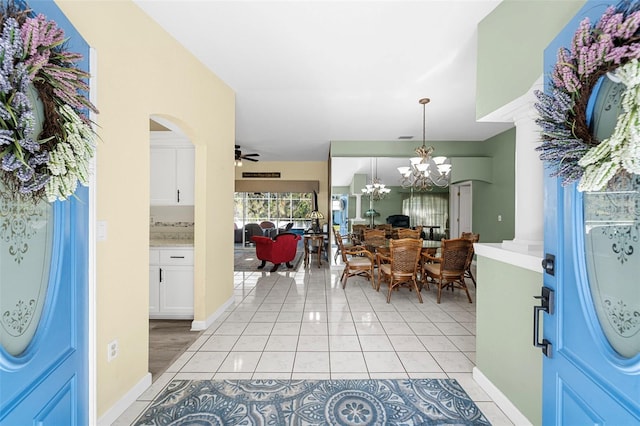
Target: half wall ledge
(531, 260)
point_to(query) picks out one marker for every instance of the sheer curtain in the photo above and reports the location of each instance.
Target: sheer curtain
(428, 210)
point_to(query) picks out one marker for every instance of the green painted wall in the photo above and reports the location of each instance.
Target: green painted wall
(359, 181)
(511, 40)
(471, 168)
(489, 164)
(391, 204)
(504, 350)
(498, 197)
(403, 148)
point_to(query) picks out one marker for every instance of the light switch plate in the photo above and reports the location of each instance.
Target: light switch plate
(101, 230)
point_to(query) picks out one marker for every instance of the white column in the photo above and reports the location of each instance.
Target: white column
(358, 208)
(358, 219)
(529, 208)
(529, 183)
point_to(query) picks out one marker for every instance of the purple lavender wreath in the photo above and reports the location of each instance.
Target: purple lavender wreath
(46, 138)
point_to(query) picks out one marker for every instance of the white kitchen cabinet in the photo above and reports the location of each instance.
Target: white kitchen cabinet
(172, 176)
(171, 283)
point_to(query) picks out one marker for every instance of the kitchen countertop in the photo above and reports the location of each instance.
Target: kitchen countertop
(158, 242)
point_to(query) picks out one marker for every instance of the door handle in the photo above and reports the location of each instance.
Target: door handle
(178, 195)
(547, 302)
(160, 274)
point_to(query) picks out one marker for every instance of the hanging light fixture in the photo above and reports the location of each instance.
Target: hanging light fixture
(425, 172)
(376, 189)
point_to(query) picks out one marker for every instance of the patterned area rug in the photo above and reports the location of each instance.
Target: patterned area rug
(313, 402)
(246, 260)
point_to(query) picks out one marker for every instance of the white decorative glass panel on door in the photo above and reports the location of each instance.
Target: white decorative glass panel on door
(612, 250)
(611, 226)
(26, 240)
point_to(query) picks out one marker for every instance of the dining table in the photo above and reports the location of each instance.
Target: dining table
(428, 246)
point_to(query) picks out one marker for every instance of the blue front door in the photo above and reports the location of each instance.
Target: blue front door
(591, 374)
(43, 298)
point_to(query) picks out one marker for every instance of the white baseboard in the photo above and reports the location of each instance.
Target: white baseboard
(125, 402)
(203, 325)
(171, 316)
(500, 399)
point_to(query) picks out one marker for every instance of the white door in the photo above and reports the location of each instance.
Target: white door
(461, 208)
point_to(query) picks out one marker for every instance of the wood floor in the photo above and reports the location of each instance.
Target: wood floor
(168, 339)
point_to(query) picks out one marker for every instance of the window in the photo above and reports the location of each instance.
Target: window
(428, 210)
(277, 207)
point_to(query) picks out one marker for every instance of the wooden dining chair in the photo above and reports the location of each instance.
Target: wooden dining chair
(357, 261)
(340, 242)
(448, 270)
(373, 233)
(401, 266)
(373, 238)
(408, 233)
(387, 228)
(474, 238)
(358, 233)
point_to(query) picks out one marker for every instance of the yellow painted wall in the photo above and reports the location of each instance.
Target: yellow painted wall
(142, 71)
(298, 170)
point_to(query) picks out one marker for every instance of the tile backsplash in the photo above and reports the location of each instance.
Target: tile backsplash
(171, 231)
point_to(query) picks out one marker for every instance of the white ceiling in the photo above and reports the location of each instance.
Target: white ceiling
(309, 72)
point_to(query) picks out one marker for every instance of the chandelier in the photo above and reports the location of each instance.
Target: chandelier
(376, 189)
(425, 172)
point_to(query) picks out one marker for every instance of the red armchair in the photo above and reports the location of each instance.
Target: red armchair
(281, 249)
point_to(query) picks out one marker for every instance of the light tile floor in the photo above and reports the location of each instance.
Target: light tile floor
(303, 325)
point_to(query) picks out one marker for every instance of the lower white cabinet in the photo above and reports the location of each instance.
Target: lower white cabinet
(171, 283)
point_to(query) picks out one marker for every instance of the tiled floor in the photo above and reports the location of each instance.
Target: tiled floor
(304, 325)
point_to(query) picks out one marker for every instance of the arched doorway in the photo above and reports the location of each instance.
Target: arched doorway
(171, 248)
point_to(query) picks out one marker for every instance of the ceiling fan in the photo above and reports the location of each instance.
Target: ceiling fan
(240, 156)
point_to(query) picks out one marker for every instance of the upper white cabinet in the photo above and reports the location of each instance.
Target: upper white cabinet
(172, 171)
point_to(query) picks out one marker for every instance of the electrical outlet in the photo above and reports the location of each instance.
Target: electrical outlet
(499, 218)
(112, 350)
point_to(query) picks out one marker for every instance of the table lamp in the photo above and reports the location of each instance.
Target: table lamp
(315, 215)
